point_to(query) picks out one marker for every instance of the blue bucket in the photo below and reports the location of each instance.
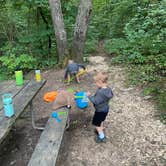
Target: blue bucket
(81, 100)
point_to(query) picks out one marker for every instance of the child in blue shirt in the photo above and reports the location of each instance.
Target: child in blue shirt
(72, 69)
(101, 103)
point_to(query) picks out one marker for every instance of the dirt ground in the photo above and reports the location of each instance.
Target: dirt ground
(134, 136)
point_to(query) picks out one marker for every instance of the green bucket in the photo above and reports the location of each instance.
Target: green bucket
(19, 78)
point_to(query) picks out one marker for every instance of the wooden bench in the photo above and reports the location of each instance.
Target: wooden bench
(22, 97)
(46, 151)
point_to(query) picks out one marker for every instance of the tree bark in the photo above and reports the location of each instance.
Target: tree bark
(60, 33)
(82, 20)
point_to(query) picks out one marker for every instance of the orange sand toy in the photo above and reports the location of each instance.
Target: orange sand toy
(50, 96)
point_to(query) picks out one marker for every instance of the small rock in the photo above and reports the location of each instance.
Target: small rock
(118, 111)
(126, 90)
(15, 150)
(149, 151)
(147, 97)
(153, 142)
(12, 162)
(157, 139)
(164, 156)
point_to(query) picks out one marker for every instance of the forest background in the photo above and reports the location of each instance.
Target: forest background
(133, 33)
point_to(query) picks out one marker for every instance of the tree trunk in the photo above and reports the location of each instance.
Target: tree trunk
(83, 17)
(60, 33)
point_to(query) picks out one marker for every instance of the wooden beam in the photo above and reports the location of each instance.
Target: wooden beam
(46, 151)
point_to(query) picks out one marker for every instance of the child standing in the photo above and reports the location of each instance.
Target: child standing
(101, 103)
(72, 69)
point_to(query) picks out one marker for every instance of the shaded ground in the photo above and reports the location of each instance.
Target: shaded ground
(134, 136)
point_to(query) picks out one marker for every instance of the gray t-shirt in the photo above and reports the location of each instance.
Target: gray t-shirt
(101, 99)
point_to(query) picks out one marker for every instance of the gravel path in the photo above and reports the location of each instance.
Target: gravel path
(134, 136)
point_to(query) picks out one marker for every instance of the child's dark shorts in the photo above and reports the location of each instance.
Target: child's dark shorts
(98, 118)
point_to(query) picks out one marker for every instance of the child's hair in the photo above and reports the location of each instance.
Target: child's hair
(70, 61)
(101, 76)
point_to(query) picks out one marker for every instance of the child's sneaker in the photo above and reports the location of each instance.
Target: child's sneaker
(99, 140)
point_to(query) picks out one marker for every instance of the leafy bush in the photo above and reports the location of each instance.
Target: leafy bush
(90, 46)
(143, 48)
(11, 63)
(115, 45)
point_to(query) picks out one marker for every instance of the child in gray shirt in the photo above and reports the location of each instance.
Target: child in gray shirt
(101, 103)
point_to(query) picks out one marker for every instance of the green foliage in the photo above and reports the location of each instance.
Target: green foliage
(26, 28)
(122, 12)
(141, 45)
(99, 24)
(48, 63)
(144, 32)
(144, 42)
(11, 63)
(69, 9)
(157, 90)
(116, 45)
(3, 77)
(109, 17)
(90, 46)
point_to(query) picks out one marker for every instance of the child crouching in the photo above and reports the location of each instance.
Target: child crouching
(72, 70)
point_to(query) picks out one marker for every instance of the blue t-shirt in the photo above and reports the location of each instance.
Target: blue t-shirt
(73, 68)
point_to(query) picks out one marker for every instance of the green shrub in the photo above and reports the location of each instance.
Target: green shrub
(143, 49)
(116, 45)
(90, 46)
(12, 62)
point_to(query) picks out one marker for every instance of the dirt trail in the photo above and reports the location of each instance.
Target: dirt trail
(134, 136)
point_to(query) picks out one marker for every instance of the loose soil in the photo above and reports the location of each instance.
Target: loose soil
(134, 136)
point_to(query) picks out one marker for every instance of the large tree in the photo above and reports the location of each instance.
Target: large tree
(81, 25)
(80, 29)
(60, 33)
